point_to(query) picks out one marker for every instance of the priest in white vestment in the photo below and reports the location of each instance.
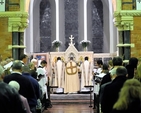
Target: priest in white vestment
(59, 69)
(86, 69)
(72, 83)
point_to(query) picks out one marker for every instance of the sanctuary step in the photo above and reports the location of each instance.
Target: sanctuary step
(70, 98)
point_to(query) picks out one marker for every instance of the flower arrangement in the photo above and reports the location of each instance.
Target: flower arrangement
(85, 43)
(56, 43)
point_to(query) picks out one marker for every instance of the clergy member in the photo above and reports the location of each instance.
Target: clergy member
(86, 69)
(72, 83)
(59, 70)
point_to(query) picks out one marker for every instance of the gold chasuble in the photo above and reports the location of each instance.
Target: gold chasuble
(72, 83)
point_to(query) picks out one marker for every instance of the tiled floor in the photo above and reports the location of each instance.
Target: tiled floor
(70, 108)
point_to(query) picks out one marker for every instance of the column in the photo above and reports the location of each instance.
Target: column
(127, 50)
(15, 41)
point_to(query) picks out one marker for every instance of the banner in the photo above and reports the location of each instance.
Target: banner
(2, 5)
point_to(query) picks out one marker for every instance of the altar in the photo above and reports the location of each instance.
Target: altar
(71, 51)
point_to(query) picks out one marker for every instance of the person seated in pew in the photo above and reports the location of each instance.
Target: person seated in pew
(10, 101)
(129, 100)
(16, 86)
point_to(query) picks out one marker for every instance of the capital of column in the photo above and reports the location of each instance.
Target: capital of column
(17, 21)
(124, 19)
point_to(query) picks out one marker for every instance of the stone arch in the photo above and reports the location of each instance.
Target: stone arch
(32, 33)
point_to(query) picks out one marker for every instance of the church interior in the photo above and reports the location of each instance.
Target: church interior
(99, 29)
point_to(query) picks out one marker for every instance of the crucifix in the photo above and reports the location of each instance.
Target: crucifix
(1, 2)
(71, 39)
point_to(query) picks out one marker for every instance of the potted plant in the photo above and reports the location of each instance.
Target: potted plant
(56, 44)
(85, 44)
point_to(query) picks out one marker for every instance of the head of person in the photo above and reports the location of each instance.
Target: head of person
(121, 71)
(2, 74)
(129, 95)
(58, 58)
(15, 85)
(24, 58)
(31, 66)
(117, 61)
(133, 61)
(17, 66)
(105, 68)
(35, 61)
(86, 58)
(25, 69)
(43, 63)
(99, 63)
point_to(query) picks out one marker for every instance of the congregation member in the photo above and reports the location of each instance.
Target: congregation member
(26, 89)
(43, 82)
(16, 85)
(72, 83)
(111, 91)
(24, 59)
(10, 101)
(96, 85)
(35, 84)
(86, 69)
(131, 67)
(117, 61)
(129, 100)
(59, 70)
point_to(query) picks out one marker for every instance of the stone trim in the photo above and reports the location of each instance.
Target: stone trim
(124, 19)
(17, 21)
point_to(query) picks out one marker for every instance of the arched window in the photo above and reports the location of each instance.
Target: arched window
(45, 26)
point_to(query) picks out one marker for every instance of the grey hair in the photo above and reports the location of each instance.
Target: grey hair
(17, 65)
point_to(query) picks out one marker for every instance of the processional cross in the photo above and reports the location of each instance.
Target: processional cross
(71, 40)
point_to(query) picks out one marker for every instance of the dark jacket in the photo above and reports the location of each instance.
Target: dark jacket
(130, 71)
(26, 88)
(105, 79)
(110, 94)
(34, 83)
